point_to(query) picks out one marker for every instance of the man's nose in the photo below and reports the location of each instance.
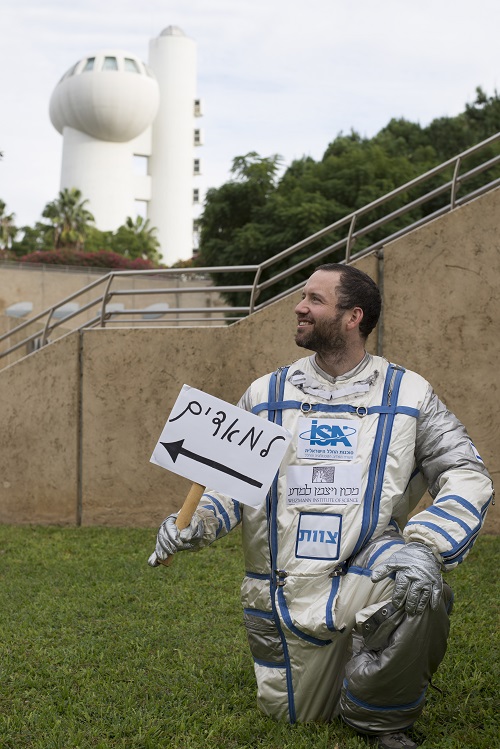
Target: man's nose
(301, 307)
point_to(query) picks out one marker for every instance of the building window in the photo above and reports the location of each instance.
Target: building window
(196, 235)
(196, 195)
(89, 65)
(110, 63)
(198, 137)
(197, 108)
(196, 166)
(140, 165)
(131, 66)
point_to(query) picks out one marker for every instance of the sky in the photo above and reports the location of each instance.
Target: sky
(275, 76)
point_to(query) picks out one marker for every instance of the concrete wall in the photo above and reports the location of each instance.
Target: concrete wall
(45, 285)
(39, 439)
(88, 456)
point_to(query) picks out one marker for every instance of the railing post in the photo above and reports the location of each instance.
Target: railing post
(349, 239)
(454, 182)
(46, 327)
(105, 296)
(254, 294)
(379, 254)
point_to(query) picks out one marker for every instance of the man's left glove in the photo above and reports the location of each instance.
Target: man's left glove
(171, 540)
(418, 577)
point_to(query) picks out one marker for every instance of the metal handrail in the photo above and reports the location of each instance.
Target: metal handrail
(349, 224)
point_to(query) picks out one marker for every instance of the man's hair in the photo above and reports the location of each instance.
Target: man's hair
(357, 289)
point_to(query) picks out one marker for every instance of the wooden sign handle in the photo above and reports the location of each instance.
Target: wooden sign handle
(186, 513)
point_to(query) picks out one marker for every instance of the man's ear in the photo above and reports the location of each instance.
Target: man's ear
(354, 319)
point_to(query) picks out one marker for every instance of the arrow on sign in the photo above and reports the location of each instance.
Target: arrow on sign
(175, 449)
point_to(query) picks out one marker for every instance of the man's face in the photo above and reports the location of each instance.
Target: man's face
(319, 322)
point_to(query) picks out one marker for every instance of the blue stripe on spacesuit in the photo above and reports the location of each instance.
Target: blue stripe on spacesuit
(237, 511)
(461, 501)
(221, 509)
(276, 390)
(268, 664)
(257, 576)
(362, 571)
(258, 613)
(435, 528)
(291, 626)
(438, 512)
(382, 708)
(459, 549)
(385, 450)
(379, 457)
(273, 406)
(455, 556)
(384, 547)
(329, 606)
(375, 461)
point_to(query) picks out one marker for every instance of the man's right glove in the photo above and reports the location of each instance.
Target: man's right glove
(418, 577)
(170, 540)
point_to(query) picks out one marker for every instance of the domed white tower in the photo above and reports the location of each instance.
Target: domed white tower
(104, 107)
(116, 114)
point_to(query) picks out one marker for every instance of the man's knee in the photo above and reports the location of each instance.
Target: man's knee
(386, 680)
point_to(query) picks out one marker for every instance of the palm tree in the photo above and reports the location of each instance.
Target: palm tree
(137, 238)
(69, 218)
(8, 229)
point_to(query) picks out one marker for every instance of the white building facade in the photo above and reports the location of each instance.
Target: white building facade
(130, 138)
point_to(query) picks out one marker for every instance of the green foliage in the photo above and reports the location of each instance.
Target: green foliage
(133, 246)
(68, 219)
(257, 215)
(136, 239)
(8, 229)
(31, 239)
(100, 651)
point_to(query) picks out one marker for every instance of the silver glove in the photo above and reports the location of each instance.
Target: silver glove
(418, 577)
(170, 540)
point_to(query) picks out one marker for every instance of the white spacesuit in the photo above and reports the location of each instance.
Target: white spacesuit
(326, 638)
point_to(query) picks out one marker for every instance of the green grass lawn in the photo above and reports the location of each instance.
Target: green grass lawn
(100, 650)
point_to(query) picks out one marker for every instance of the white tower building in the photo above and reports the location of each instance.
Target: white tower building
(117, 114)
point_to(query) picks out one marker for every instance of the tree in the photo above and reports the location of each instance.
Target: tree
(31, 239)
(234, 205)
(8, 229)
(255, 216)
(137, 239)
(69, 219)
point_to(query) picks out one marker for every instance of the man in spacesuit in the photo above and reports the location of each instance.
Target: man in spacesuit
(344, 604)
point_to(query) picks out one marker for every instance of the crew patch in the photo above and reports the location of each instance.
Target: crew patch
(327, 439)
(318, 536)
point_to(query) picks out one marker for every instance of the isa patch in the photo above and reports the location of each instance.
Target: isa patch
(318, 536)
(327, 439)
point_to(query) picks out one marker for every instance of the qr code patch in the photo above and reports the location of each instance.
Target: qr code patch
(323, 475)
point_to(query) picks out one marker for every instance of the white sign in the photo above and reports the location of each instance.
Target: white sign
(221, 446)
(318, 536)
(324, 484)
(327, 439)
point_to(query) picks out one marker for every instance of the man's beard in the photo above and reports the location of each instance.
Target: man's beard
(325, 338)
